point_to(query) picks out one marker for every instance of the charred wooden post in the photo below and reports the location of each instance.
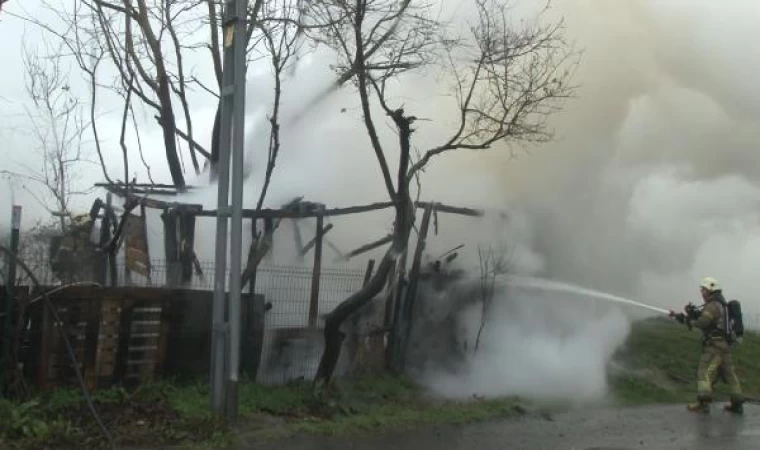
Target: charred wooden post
(435, 220)
(404, 327)
(171, 249)
(102, 260)
(316, 274)
(187, 244)
(368, 272)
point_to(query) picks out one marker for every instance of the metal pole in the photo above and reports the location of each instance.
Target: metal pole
(236, 237)
(219, 324)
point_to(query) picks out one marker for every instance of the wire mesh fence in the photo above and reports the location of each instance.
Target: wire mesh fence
(291, 348)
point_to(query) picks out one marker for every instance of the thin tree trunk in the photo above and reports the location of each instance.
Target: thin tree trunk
(170, 126)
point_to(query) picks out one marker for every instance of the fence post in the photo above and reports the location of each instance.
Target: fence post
(316, 274)
(10, 284)
(187, 244)
(368, 272)
(171, 249)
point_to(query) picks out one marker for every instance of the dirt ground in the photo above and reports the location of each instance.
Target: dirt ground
(656, 427)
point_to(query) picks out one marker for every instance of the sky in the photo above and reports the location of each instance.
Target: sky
(650, 184)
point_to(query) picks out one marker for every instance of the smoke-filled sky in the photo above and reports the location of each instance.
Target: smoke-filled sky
(649, 186)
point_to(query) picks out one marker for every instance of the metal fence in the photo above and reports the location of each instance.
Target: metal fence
(291, 348)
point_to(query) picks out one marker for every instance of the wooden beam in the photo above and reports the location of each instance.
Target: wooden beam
(452, 209)
(371, 246)
(291, 211)
(296, 214)
(306, 248)
(316, 273)
(122, 186)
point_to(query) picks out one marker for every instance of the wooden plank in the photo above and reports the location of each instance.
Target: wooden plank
(306, 248)
(301, 214)
(371, 246)
(330, 212)
(120, 185)
(451, 209)
(316, 273)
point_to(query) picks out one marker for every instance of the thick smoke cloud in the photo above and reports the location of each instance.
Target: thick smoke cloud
(651, 185)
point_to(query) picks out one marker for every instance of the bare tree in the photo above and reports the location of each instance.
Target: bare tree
(57, 125)
(508, 81)
(154, 47)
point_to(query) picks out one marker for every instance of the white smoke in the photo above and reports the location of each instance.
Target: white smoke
(534, 344)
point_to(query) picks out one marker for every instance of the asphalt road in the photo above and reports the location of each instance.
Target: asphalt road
(652, 427)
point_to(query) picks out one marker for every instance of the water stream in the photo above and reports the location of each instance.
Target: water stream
(541, 283)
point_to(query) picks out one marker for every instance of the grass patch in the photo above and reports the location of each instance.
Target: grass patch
(165, 413)
(659, 364)
(365, 403)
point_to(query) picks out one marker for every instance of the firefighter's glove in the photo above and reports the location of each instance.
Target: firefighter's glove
(692, 312)
(680, 317)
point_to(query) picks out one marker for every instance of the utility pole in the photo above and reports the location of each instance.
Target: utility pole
(225, 349)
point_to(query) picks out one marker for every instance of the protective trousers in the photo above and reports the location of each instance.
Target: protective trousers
(716, 361)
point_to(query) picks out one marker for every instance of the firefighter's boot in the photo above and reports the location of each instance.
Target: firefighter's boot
(699, 407)
(735, 407)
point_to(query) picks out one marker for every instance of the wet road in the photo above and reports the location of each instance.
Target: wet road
(656, 427)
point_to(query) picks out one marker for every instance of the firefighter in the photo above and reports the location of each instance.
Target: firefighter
(716, 349)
